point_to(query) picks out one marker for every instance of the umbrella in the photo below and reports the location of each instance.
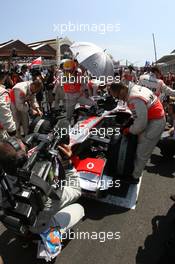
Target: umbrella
(93, 58)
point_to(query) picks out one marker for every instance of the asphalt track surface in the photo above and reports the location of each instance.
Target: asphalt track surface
(146, 233)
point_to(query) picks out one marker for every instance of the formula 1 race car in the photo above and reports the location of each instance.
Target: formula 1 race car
(102, 155)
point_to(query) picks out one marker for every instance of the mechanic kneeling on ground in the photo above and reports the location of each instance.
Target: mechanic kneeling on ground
(56, 212)
(149, 121)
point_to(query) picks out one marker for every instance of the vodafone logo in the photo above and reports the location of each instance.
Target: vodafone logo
(90, 166)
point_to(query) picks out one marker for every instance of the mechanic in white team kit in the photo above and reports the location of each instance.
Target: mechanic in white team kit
(149, 121)
(23, 98)
(129, 75)
(155, 84)
(73, 88)
(7, 124)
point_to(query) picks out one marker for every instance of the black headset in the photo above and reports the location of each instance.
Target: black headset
(14, 143)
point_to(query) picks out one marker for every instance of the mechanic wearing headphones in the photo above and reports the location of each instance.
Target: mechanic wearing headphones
(7, 124)
(149, 121)
(59, 212)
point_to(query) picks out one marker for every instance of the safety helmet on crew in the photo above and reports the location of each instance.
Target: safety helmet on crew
(69, 65)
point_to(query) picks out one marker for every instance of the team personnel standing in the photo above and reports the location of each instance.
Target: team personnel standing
(23, 98)
(149, 121)
(73, 88)
(24, 74)
(129, 75)
(58, 90)
(155, 84)
(7, 124)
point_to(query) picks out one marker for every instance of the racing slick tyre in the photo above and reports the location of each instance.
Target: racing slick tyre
(121, 156)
